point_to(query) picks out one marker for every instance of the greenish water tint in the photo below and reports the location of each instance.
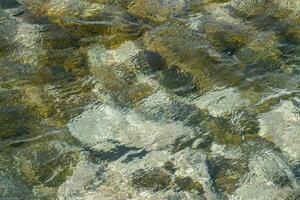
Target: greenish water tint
(150, 99)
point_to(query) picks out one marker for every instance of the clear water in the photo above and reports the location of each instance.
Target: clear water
(150, 99)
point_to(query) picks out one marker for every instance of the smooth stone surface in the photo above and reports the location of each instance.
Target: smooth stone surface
(221, 101)
(105, 128)
(269, 177)
(281, 125)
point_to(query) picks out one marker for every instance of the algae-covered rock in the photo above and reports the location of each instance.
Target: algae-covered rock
(11, 185)
(157, 175)
(281, 10)
(225, 32)
(185, 48)
(6, 4)
(250, 167)
(45, 74)
(231, 124)
(179, 83)
(263, 50)
(33, 166)
(227, 165)
(161, 11)
(215, 49)
(16, 118)
(234, 129)
(149, 100)
(269, 177)
(60, 39)
(127, 75)
(157, 10)
(50, 164)
(15, 126)
(91, 18)
(117, 73)
(83, 176)
(3, 46)
(43, 192)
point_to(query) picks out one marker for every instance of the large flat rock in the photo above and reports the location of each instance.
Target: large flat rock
(104, 128)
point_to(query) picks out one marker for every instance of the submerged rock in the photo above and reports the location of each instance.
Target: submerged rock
(29, 41)
(158, 175)
(222, 101)
(92, 18)
(184, 46)
(82, 178)
(117, 73)
(159, 10)
(127, 75)
(227, 165)
(262, 51)
(269, 177)
(16, 118)
(281, 125)
(282, 10)
(6, 4)
(104, 128)
(11, 184)
(33, 163)
(181, 48)
(163, 105)
(198, 107)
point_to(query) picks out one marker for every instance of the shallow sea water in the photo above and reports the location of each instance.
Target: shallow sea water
(150, 99)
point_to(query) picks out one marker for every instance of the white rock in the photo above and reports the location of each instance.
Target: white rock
(104, 128)
(219, 102)
(101, 57)
(269, 178)
(282, 126)
(83, 176)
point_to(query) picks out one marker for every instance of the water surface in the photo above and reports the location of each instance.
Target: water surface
(150, 99)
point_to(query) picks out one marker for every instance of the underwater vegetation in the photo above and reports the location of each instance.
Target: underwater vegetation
(150, 99)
